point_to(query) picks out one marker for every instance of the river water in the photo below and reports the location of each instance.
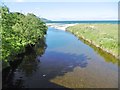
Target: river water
(67, 62)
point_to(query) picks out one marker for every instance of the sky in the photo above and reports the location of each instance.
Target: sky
(60, 0)
(72, 10)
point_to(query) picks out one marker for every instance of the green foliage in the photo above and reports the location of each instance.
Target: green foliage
(18, 31)
(102, 35)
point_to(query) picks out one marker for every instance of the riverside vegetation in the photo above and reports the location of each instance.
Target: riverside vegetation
(18, 31)
(103, 36)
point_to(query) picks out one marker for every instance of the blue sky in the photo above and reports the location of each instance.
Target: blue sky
(60, 0)
(94, 10)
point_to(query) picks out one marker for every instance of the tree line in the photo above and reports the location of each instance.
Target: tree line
(18, 31)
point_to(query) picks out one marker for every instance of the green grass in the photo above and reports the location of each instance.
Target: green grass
(104, 36)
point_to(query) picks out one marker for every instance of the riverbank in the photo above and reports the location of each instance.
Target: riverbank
(102, 36)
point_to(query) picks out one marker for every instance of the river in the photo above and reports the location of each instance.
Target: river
(67, 62)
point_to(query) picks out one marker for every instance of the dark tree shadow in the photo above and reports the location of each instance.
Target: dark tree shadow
(29, 71)
(60, 64)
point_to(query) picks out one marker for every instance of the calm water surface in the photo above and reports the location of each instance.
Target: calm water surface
(66, 63)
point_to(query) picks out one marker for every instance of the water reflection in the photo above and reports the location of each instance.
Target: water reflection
(55, 64)
(64, 63)
(29, 64)
(107, 57)
(26, 64)
(69, 60)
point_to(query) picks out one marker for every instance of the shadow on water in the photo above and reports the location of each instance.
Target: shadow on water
(60, 64)
(28, 58)
(27, 63)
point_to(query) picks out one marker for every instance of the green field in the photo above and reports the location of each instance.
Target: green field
(104, 36)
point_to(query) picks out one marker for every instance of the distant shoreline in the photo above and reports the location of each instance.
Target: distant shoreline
(87, 21)
(60, 26)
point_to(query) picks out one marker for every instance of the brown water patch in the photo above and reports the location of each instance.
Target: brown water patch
(87, 78)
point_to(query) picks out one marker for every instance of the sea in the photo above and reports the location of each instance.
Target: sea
(91, 22)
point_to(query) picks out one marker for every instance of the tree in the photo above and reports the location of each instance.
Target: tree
(18, 31)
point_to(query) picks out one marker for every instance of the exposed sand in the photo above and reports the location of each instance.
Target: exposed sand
(59, 26)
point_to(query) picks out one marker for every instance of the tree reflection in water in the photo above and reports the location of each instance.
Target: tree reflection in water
(30, 60)
(26, 64)
(107, 57)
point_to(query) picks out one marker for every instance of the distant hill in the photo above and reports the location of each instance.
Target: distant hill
(45, 20)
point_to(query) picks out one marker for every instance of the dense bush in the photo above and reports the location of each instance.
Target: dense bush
(18, 31)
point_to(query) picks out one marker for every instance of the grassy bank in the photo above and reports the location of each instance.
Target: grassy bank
(103, 36)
